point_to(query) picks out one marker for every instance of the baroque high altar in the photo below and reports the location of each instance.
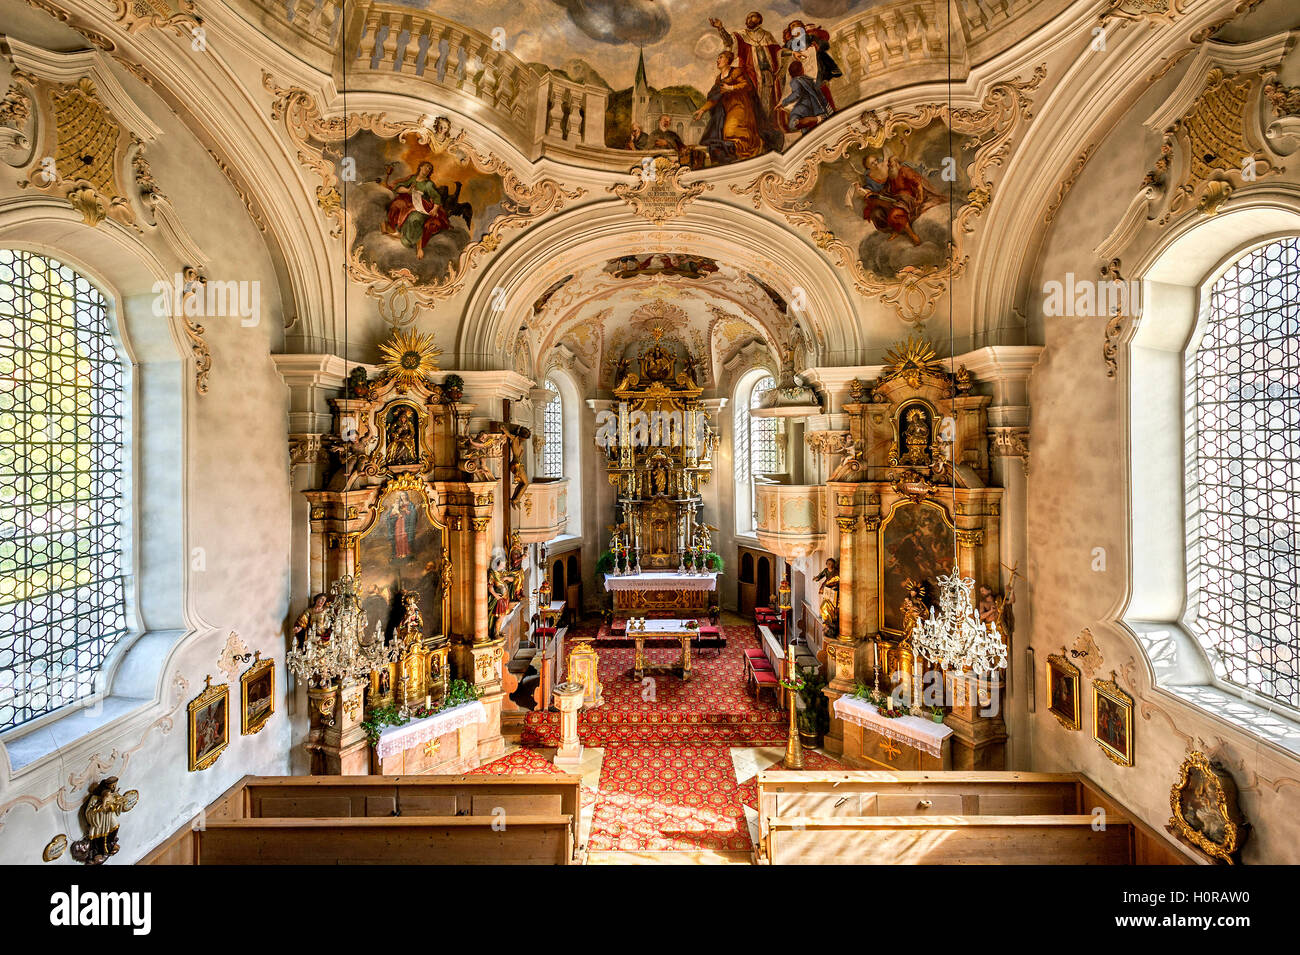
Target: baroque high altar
(657, 459)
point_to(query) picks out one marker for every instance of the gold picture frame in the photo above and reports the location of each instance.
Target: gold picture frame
(1205, 811)
(256, 695)
(1112, 721)
(209, 725)
(1063, 692)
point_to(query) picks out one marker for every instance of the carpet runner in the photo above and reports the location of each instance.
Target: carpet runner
(714, 706)
(667, 781)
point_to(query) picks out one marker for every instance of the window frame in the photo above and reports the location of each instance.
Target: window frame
(130, 629)
(1151, 368)
(1214, 647)
(553, 431)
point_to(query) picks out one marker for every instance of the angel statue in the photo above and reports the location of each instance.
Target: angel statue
(103, 810)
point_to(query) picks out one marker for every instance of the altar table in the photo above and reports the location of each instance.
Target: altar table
(904, 742)
(663, 628)
(446, 742)
(689, 594)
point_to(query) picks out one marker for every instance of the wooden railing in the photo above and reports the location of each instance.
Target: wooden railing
(913, 818)
(398, 820)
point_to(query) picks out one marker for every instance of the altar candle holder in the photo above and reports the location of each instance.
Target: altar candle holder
(637, 570)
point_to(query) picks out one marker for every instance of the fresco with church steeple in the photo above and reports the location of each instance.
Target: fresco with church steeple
(714, 84)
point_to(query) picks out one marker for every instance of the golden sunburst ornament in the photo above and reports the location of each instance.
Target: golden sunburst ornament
(410, 357)
(915, 355)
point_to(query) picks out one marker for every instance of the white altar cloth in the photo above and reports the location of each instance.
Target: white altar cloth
(398, 739)
(925, 735)
(654, 628)
(662, 580)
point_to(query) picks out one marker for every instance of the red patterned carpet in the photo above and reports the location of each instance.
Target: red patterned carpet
(525, 762)
(714, 706)
(662, 797)
(667, 781)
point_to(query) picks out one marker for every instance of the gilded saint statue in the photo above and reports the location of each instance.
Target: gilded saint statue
(913, 606)
(403, 445)
(828, 594)
(103, 811)
(499, 596)
(916, 438)
(410, 630)
(997, 608)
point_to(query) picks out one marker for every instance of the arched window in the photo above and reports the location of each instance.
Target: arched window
(63, 509)
(756, 447)
(1243, 474)
(553, 433)
(764, 456)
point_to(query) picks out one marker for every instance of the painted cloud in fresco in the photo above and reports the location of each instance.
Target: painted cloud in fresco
(619, 21)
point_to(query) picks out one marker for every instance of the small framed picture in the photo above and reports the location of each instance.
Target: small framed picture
(1112, 721)
(257, 695)
(1063, 691)
(209, 725)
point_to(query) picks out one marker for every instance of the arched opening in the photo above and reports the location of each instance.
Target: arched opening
(1211, 403)
(763, 584)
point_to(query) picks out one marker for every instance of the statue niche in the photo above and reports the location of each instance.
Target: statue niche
(401, 435)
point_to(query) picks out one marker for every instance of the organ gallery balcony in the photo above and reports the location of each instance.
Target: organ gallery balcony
(791, 518)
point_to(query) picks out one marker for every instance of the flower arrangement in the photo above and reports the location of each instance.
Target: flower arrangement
(383, 717)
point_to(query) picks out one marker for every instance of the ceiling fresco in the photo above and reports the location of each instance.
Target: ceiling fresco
(715, 83)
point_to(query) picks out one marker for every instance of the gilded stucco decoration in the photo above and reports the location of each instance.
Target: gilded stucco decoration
(1217, 155)
(83, 155)
(139, 15)
(849, 194)
(659, 194)
(413, 239)
(1153, 11)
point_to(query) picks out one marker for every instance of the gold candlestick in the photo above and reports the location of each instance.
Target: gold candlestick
(793, 746)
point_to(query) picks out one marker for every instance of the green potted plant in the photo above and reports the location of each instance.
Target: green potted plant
(605, 563)
(936, 713)
(453, 387)
(815, 717)
(714, 562)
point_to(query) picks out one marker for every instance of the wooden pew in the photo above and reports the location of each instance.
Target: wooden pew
(949, 840)
(943, 817)
(331, 820)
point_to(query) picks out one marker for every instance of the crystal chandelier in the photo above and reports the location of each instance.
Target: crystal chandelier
(955, 638)
(335, 647)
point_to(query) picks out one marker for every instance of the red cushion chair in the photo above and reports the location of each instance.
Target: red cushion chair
(766, 680)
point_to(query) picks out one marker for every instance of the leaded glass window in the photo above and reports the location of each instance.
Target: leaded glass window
(553, 430)
(763, 448)
(1243, 474)
(62, 507)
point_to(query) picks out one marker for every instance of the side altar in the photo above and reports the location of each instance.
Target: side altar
(658, 455)
(403, 531)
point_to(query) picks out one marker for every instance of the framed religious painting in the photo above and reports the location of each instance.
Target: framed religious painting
(1205, 812)
(1112, 721)
(209, 715)
(1063, 691)
(915, 542)
(403, 552)
(256, 695)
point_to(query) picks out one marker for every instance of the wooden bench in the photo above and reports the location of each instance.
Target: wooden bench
(950, 817)
(407, 820)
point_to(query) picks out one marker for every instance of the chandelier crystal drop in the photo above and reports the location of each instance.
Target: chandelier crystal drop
(954, 637)
(335, 645)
